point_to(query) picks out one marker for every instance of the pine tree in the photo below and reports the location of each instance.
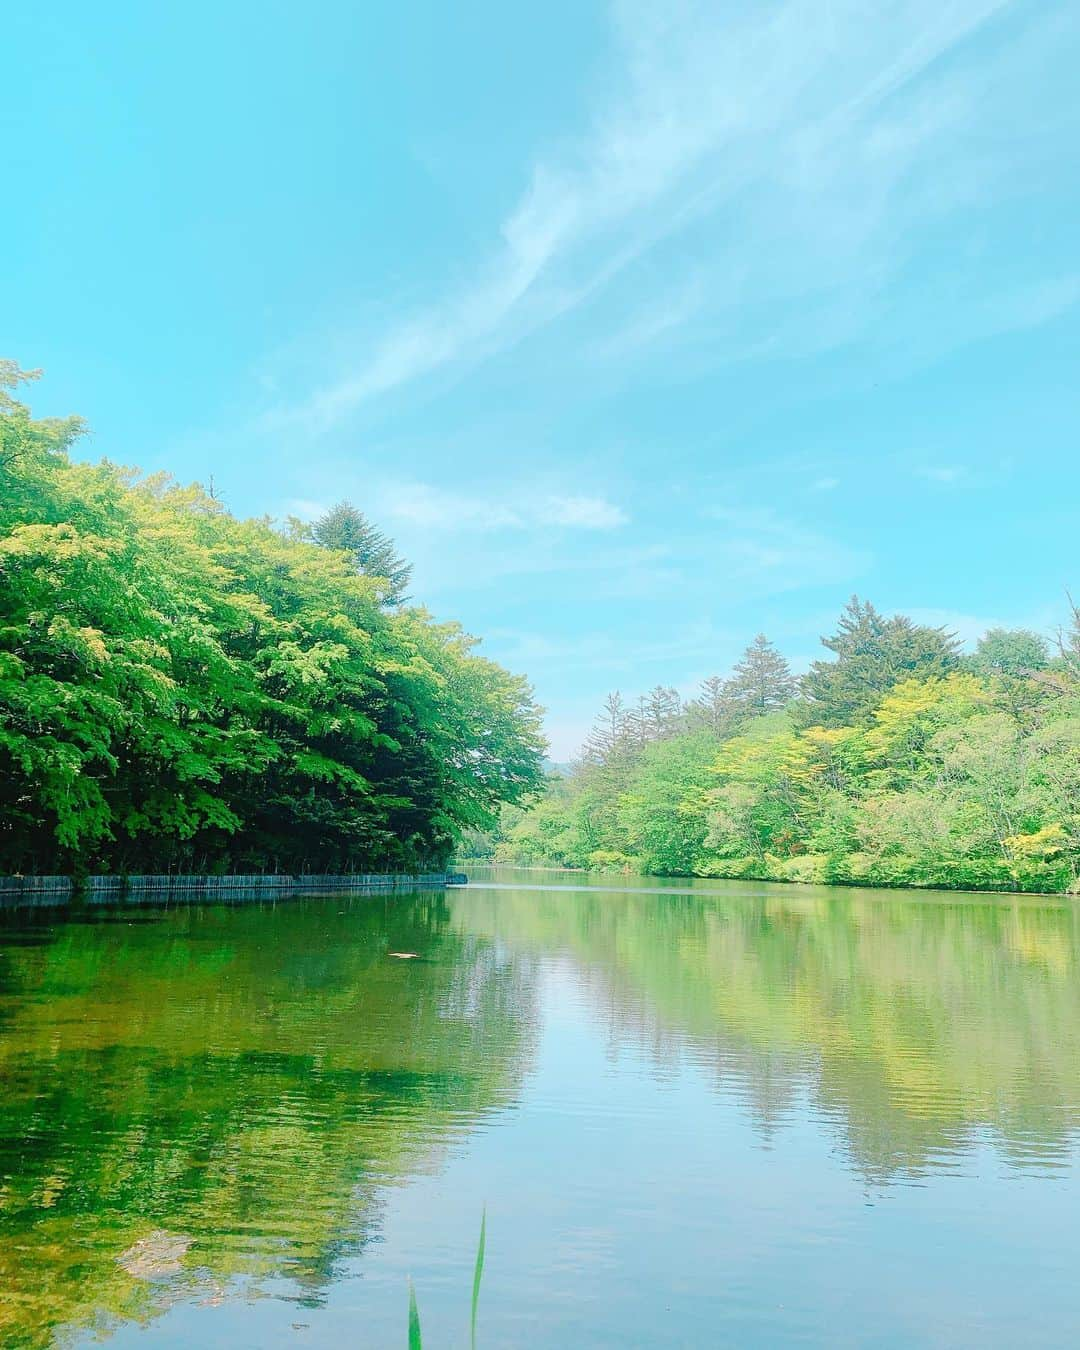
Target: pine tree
(610, 731)
(873, 654)
(711, 708)
(662, 713)
(344, 527)
(761, 682)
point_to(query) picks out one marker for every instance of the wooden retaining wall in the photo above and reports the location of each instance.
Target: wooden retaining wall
(58, 889)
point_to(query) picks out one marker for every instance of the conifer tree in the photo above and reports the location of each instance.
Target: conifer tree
(610, 731)
(345, 528)
(873, 653)
(761, 682)
(711, 708)
(662, 712)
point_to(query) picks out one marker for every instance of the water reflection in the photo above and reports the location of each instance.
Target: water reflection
(919, 1025)
(230, 1087)
(207, 1101)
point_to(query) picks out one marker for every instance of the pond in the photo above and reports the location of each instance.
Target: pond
(697, 1114)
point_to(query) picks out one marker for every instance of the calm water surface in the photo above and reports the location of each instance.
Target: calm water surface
(699, 1115)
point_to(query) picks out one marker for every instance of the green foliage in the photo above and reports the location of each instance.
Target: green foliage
(478, 1275)
(945, 777)
(873, 653)
(761, 682)
(349, 531)
(179, 688)
(1013, 652)
(657, 813)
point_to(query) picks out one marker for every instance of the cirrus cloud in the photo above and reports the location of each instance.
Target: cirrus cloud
(432, 507)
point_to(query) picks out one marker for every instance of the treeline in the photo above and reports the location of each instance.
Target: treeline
(183, 689)
(900, 761)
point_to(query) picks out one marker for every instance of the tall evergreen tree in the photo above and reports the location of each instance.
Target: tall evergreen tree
(661, 713)
(761, 682)
(712, 707)
(373, 553)
(873, 653)
(610, 731)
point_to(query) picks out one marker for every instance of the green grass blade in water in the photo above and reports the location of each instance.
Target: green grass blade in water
(478, 1275)
(415, 1341)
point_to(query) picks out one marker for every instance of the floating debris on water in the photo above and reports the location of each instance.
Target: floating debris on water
(156, 1256)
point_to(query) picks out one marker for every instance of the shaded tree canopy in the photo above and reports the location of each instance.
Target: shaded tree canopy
(181, 689)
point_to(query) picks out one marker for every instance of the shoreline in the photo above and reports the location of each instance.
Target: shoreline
(58, 890)
(785, 881)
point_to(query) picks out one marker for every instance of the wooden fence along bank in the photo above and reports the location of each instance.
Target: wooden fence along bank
(60, 890)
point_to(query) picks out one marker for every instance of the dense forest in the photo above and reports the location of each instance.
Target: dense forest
(181, 689)
(897, 761)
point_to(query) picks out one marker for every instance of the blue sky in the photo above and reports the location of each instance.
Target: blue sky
(640, 327)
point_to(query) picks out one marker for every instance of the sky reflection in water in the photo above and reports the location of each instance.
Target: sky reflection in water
(715, 1114)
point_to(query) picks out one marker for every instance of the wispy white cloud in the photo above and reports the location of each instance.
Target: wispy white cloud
(1033, 304)
(963, 313)
(615, 655)
(1026, 305)
(941, 473)
(439, 508)
(805, 127)
(304, 509)
(650, 320)
(769, 553)
(720, 557)
(585, 513)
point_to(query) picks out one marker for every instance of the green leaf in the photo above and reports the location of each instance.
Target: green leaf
(415, 1341)
(478, 1275)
